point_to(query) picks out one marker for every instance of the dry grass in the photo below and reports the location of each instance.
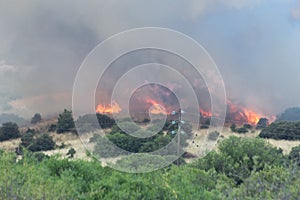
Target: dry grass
(10, 145)
(199, 147)
(285, 145)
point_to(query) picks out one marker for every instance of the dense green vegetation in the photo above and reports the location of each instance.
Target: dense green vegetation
(134, 144)
(9, 130)
(282, 130)
(34, 143)
(239, 169)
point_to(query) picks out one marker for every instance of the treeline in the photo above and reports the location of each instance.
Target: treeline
(282, 130)
(238, 169)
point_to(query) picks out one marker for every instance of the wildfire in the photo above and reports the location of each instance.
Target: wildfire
(241, 114)
(156, 107)
(204, 113)
(108, 109)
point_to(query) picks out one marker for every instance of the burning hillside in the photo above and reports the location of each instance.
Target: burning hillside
(142, 107)
(158, 100)
(109, 108)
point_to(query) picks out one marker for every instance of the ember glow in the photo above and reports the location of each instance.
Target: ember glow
(108, 109)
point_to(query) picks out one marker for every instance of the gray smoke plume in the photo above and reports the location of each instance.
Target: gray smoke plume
(255, 44)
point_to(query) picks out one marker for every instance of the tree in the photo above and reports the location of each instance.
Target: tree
(8, 131)
(262, 123)
(36, 118)
(65, 122)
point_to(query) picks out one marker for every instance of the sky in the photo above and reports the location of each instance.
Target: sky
(255, 44)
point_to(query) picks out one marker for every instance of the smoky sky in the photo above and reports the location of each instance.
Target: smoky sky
(255, 44)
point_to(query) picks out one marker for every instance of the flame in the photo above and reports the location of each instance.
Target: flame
(156, 107)
(252, 117)
(240, 114)
(205, 113)
(108, 109)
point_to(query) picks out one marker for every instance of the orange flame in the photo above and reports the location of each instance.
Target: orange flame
(156, 108)
(242, 114)
(205, 113)
(109, 109)
(252, 117)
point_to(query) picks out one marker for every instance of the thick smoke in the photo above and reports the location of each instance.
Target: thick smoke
(43, 43)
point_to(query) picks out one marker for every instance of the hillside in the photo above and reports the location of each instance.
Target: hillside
(70, 140)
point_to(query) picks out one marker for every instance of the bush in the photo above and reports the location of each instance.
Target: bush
(248, 126)
(52, 128)
(43, 142)
(241, 130)
(238, 157)
(36, 118)
(233, 127)
(8, 131)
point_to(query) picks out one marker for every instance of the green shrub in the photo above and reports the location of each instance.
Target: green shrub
(238, 157)
(8, 131)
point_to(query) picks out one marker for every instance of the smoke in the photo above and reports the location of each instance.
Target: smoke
(43, 43)
(296, 12)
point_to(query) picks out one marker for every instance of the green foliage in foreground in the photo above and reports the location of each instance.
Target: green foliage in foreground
(238, 158)
(38, 177)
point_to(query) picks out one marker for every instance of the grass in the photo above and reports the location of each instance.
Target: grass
(199, 146)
